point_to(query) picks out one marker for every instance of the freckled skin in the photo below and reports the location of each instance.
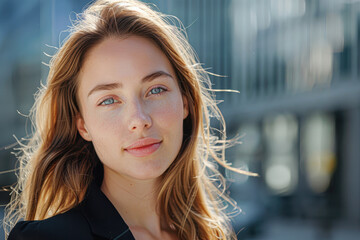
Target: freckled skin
(135, 114)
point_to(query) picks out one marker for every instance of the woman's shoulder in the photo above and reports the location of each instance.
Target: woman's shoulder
(68, 225)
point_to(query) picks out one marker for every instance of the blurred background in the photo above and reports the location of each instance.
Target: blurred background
(296, 65)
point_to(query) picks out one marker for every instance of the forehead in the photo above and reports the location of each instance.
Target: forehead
(124, 58)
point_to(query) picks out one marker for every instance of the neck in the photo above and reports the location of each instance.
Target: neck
(135, 200)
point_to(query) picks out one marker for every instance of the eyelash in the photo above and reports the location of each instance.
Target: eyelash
(162, 90)
(158, 87)
(114, 101)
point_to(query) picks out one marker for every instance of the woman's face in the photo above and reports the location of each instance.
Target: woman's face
(131, 107)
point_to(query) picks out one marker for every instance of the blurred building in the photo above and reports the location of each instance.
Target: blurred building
(296, 65)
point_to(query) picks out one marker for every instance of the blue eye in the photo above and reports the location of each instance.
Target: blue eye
(109, 101)
(157, 90)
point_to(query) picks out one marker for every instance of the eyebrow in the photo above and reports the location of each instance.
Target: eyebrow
(110, 86)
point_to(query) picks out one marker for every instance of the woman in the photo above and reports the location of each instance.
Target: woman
(122, 141)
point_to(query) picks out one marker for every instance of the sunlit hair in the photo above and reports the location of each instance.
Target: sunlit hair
(56, 164)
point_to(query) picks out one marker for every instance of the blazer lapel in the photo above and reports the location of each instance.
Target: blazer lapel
(103, 218)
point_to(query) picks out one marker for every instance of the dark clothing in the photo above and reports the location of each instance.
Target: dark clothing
(95, 218)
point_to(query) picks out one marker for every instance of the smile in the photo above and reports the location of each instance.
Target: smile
(143, 150)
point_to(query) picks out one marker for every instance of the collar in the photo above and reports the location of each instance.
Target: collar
(102, 216)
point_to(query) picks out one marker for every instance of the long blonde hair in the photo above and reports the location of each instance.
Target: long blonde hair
(54, 176)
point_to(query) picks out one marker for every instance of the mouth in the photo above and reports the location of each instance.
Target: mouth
(143, 147)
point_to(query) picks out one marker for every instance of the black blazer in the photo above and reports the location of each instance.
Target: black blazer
(95, 218)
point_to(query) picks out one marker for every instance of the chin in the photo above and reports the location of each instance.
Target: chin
(148, 174)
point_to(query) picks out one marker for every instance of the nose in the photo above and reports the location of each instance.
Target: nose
(139, 119)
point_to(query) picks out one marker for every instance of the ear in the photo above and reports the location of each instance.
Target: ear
(186, 107)
(81, 127)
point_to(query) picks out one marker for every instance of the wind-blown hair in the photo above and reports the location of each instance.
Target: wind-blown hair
(56, 164)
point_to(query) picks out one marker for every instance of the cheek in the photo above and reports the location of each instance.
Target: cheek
(169, 114)
(105, 138)
(102, 120)
(103, 128)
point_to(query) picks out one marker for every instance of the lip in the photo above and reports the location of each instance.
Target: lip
(143, 147)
